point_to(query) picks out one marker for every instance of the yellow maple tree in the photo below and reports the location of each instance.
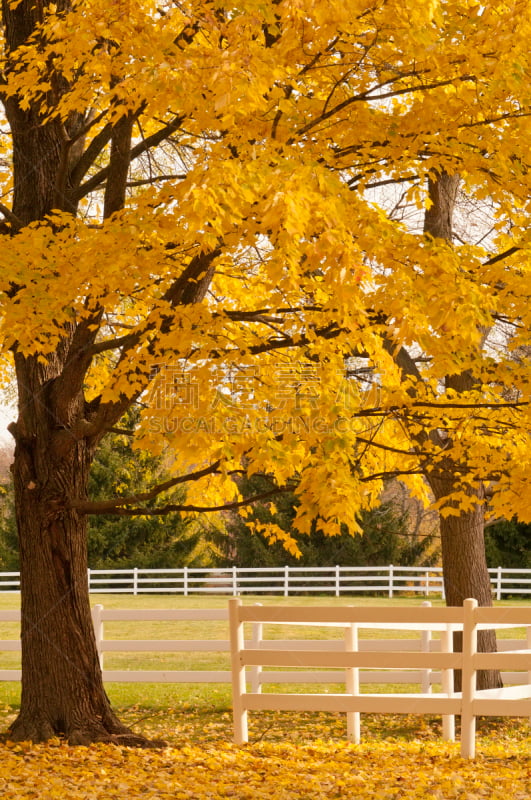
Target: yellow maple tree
(296, 233)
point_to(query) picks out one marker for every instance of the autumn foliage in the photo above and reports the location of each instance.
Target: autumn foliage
(297, 234)
(258, 143)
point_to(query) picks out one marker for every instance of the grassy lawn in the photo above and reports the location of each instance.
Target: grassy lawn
(292, 756)
(199, 710)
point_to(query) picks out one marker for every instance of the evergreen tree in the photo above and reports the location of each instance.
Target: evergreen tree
(8, 529)
(508, 544)
(385, 539)
(156, 541)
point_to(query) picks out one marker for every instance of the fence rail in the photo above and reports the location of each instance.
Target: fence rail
(419, 639)
(389, 580)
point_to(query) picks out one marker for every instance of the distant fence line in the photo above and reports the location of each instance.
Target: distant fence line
(389, 580)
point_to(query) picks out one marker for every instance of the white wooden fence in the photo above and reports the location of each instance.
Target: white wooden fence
(349, 661)
(389, 580)
(470, 703)
(421, 640)
(100, 615)
(421, 660)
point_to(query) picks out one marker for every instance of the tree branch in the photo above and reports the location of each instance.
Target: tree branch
(84, 163)
(121, 432)
(148, 181)
(501, 256)
(12, 218)
(77, 362)
(111, 506)
(367, 97)
(146, 144)
(96, 508)
(114, 344)
(119, 510)
(118, 168)
(390, 475)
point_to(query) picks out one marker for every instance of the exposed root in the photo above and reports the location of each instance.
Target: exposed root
(84, 734)
(84, 737)
(31, 730)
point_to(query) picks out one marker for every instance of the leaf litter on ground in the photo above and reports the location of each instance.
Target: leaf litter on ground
(289, 756)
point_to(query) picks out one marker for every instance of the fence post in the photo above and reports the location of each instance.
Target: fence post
(88, 578)
(256, 639)
(97, 622)
(425, 638)
(499, 583)
(135, 581)
(528, 637)
(338, 577)
(286, 581)
(391, 586)
(234, 581)
(237, 644)
(352, 680)
(185, 581)
(470, 646)
(447, 684)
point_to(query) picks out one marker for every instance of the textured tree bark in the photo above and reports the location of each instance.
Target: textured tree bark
(462, 537)
(442, 192)
(62, 691)
(62, 687)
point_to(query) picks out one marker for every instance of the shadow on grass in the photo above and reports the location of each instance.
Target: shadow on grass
(200, 723)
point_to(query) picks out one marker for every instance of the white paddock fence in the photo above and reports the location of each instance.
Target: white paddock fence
(513, 701)
(100, 615)
(419, 659)
(389, 580)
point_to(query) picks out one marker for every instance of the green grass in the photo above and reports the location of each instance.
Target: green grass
(172, 702)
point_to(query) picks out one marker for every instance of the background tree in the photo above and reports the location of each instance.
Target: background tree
(150, 541)
(190, 217)
(464, 560)
(384, 539)
(508, 544)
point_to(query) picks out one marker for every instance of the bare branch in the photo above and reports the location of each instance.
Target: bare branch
(368, 97)
(111, 506)
(146, 144)
(95, 508)
(12, 218)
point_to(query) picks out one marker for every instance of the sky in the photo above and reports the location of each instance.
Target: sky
(7, 415)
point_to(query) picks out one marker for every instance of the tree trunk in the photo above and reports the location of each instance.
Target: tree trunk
(62, 688)
(465, 574)
(462, 537)
(438, 218)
